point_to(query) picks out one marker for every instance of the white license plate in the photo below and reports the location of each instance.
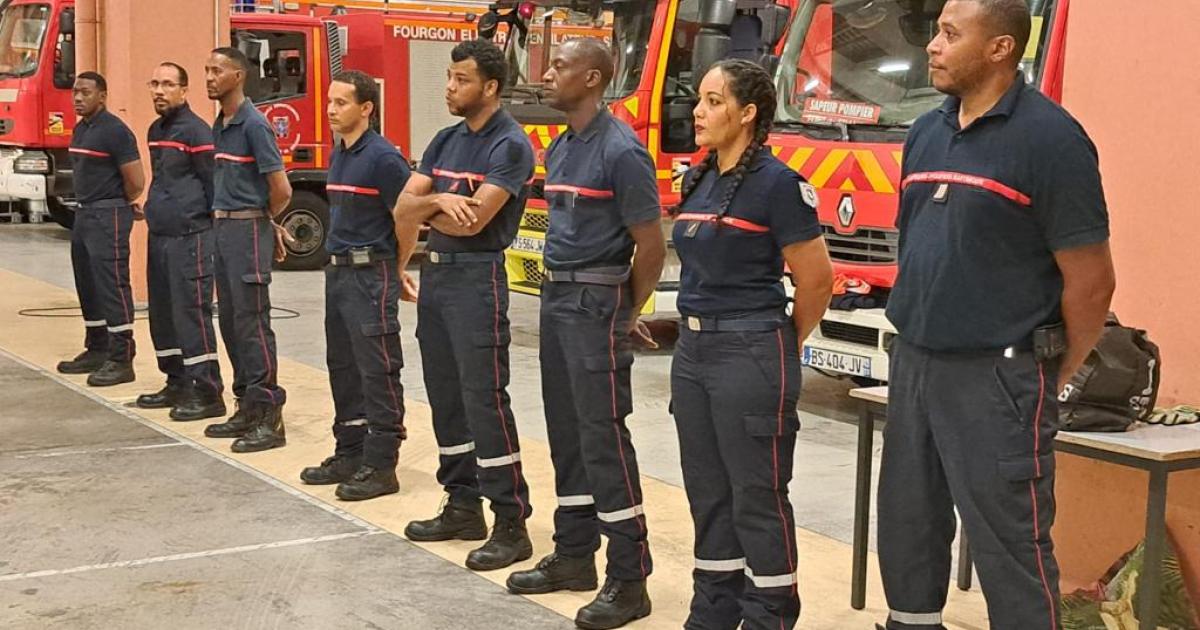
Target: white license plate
(528, 244)
(837, 361)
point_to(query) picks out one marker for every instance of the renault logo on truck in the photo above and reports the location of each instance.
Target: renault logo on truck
(845, 210)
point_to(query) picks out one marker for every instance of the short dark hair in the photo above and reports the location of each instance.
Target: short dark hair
(365, 88)
(94, 77)
(1009, 17)
(183, 75)
(234, 55)
(488, 58)
(597, 55)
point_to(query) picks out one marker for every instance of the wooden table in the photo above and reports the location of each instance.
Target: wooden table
(1158, 450)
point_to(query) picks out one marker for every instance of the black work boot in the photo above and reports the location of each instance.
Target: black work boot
(509, 543)
(85, 362)
(618, 603)
(367, 483)
(553, 573)
(112, 373)
(266, 431)
(236, 426)
(333, 470)
(166, 397)
(458, 520)
(197, 405)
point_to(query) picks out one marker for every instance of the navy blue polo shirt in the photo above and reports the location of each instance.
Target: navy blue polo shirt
(181, 160)
(460, 160)
(982, 211)
(364, 181)
(733, 262)
(100, 145)
(246, 151)
(599, 182)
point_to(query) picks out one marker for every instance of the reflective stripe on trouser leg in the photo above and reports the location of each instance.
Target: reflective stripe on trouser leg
(95, 334)
(916, 514)
(246, 248)
(363, 313)
(999, 465)
(463, 328)
(162, 327)
(590, 347)
(190, 259)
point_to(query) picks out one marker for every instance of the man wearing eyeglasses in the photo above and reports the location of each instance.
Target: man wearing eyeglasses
(179, 266)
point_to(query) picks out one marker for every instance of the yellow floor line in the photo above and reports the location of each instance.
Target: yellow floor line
(824, 562)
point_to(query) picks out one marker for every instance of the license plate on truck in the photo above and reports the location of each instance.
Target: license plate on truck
(843, 362)
(527, 244)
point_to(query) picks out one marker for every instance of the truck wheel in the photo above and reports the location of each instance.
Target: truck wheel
(60, 213)
(307, 220)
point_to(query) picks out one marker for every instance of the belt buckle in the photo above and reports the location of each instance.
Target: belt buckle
(435, 257)
(693, 324)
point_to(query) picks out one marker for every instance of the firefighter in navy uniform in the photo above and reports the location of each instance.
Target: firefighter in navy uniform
(603, 196)
(735, 378)
(471, 187)
(250, 187)
(179, 262)
(108, 179)
(1004, 283)
(362, 295)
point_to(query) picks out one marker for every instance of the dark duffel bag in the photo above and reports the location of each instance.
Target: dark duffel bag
(1117, 385)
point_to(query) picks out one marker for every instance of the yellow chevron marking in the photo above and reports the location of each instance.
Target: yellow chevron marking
(799, 158)
(821, 176)
(874, 172)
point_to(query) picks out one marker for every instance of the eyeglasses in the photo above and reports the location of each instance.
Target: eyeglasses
(166, 85)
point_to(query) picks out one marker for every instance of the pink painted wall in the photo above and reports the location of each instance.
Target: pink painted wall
(1131, 79)
(135, 36)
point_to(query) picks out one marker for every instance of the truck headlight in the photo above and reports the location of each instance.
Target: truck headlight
(32, 162)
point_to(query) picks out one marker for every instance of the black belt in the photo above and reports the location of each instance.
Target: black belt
(104, 203)
(608, 276)
(760, 323)
(454, 258)
(344, 260)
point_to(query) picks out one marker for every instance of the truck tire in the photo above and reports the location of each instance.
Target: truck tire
(60, 213)
(307, 220)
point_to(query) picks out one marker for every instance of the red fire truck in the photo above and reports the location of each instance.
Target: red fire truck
(852, 78)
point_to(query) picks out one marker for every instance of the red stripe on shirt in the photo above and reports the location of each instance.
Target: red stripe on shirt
(474, 177)
(740, 224)
(169, 144)
(358, 190)
(90, 153)
(580, 190)
(951, 177)
(242, 159)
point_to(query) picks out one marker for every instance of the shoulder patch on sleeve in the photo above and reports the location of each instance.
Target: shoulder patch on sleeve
(809, 194)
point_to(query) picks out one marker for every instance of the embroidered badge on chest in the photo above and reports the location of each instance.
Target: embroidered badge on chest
(941, 193)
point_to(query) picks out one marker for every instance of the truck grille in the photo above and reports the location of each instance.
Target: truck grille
(536, 221)
(533, 271)
(864, 247)
(850, 333)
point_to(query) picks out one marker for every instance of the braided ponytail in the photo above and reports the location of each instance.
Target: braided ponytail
(749, 83)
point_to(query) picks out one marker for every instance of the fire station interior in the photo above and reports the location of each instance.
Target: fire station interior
(115, 516)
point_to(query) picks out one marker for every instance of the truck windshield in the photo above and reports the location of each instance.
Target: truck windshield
(22, 29)
(626, 27)
(864, 61)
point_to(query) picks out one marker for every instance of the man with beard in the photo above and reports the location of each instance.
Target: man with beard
(179, 266)
(471, 187)
(250, 187)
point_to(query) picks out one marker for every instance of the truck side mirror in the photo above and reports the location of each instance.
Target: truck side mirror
(679, 126)
(717, 14)
(774, 24)
(709, 48)
(66, 22)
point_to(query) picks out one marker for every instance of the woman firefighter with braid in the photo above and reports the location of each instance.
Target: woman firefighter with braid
(735, 378)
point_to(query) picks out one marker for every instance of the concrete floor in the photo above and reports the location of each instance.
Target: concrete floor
(113, 521)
